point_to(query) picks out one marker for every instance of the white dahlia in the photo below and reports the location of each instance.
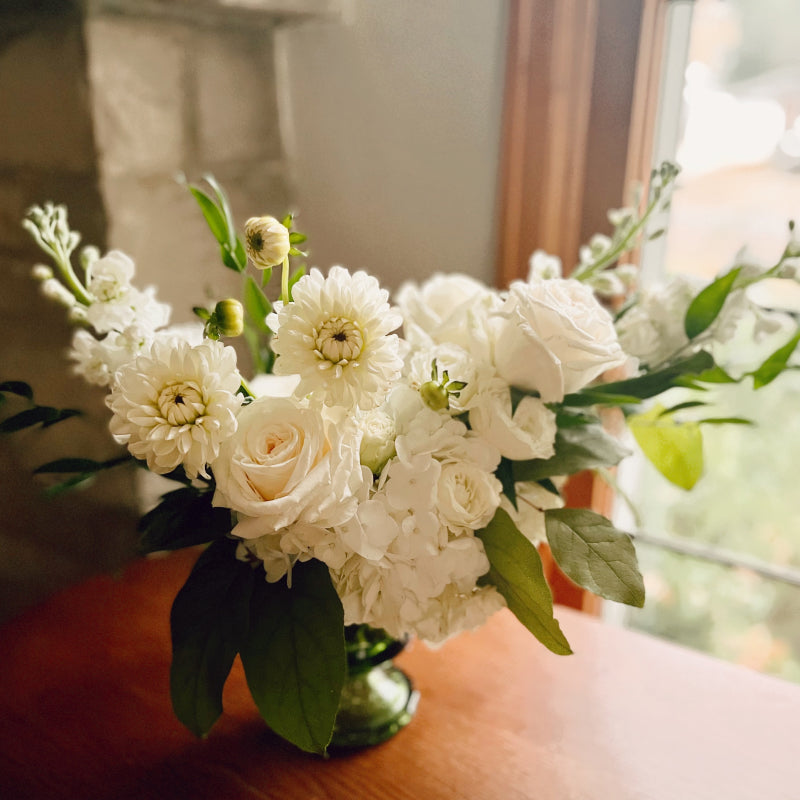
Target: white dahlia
(335, 336)
(175, 404)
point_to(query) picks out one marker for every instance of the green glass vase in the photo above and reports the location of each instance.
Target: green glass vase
(378, 698)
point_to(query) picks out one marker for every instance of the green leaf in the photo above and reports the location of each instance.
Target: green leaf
(17, 387)
(209, 622)
(505, 474)
(294, 657)
(225, 209)
(649, 384)
(682, 406)
(725, 421)
(577, 449)
(287, 221)
(82, 465)
(80, 481)
(714, 375)
(775, 363)
(516, 571)
(229, 260)
(183, 518)
(215, 219)
(266, 276)
(674, 448)
(595, 555)
(705, 307)
(45, 415)
(256, 303)
(203, 313)
(297, 238)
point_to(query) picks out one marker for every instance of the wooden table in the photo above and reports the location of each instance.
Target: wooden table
(85, 713)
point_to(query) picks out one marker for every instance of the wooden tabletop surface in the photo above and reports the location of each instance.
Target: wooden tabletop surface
(85, 714)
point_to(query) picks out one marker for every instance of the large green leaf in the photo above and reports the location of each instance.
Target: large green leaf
(294, 656)
(209, 622)
(577, 449)
(705, 307)
(183, 518)
(594, 554)
(516, 571)
(675, 448)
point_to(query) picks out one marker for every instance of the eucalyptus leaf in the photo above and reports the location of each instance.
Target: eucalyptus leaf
(705, 307)
(775, 363)
(209, 622)
(577, 449)
(594, 554)
(17, 387)
(516, 572)
(674, 448)
(294, 655)
(183, 518)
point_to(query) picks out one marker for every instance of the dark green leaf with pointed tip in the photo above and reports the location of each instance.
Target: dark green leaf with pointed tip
(209, 622)
(294, 656)
(516, 572)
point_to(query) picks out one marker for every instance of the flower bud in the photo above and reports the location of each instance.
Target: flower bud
(435, 396)
(377, 443)
(41, 272)
(228, 317)
(266, 241)
(55, 290)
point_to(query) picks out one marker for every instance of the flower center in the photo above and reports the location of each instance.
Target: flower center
(339, 341)
(181, 403)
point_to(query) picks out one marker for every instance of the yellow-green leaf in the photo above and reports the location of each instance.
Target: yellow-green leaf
(675, 448)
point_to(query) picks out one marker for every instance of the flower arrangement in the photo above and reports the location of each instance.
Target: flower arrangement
(361, 478)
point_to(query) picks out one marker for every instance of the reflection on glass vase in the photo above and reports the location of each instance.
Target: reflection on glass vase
(378, 699)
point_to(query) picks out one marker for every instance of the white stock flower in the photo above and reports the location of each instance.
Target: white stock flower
(377, 443)
(532, 501)
(287, 464)
(116, 303)
(176, 404)
(555, 338)
(335, 334)
(527, 432)
(542, 266)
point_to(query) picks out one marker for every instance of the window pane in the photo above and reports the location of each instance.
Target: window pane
(739, 150)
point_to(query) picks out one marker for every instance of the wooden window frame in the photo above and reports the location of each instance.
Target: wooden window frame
(581, 95)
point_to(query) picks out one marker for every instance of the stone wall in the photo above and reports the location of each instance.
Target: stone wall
(104, 104)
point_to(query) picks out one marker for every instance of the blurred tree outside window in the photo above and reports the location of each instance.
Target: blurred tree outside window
(739, 149)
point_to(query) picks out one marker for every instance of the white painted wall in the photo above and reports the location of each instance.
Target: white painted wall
(392, 126)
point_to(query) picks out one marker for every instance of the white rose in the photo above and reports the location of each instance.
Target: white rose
(453, 309)
(466, 496)
(288, 464)
(528, 432)
(555, 338)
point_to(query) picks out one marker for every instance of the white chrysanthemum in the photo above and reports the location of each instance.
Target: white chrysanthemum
(175, 405)
(335, 336)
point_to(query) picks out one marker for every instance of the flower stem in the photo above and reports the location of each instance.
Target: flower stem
(285, 280)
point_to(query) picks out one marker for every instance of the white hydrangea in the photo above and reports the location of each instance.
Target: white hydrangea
(336, 335)
(174, 405)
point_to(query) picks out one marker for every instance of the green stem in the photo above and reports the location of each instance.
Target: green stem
(285, 280)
